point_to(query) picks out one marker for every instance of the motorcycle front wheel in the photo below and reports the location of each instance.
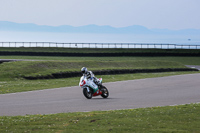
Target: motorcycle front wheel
(105, 92)
(87, 94)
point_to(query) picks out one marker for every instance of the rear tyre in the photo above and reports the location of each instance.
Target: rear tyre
(87, 94)
(105, 92)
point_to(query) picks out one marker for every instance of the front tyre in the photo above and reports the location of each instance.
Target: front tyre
(87, 94)
(105, 92)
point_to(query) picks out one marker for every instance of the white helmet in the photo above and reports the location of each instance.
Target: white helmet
(84, 70)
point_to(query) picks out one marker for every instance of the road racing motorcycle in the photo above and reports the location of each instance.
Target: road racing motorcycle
(90, 89)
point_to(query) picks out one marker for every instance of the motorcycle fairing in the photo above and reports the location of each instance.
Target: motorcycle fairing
(93, 85)
(98, 92)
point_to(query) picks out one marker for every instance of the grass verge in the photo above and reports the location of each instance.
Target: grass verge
(97, 50)
(183, 60)
(19, 69)
(11, 73)
(182, 118)
(21, 85)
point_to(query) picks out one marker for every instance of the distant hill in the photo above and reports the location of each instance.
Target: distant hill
(135, 29)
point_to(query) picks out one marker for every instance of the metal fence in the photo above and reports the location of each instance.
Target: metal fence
(98, 45)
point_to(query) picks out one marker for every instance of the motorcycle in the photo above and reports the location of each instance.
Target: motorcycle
(90, 89)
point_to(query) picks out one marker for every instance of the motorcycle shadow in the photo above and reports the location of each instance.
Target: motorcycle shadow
(100, 98)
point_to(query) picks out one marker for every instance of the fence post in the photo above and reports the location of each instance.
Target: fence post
(104, 45)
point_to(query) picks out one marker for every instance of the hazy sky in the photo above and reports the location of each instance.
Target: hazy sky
(170, 14)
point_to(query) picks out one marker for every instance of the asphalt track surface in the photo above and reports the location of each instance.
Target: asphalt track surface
(171, 90)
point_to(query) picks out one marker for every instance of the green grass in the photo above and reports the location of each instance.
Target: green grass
(182, 118)
(12, 70)
(21, 85)
(97, 50)
(183, 60)
(11, 73)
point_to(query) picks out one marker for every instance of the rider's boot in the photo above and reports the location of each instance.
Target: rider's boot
(97, 82)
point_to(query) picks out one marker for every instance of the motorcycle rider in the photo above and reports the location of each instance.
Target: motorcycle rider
(89, 74)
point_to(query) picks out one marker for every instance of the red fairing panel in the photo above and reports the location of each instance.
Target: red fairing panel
(82, 83)
(97, 93)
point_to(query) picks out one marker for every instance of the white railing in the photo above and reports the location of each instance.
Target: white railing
(98, 45)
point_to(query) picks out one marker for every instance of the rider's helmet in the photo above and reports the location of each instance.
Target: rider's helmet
(88, 75)
(84, 70)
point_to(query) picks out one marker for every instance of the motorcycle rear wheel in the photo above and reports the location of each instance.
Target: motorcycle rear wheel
(105, 92)
(87, 94)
